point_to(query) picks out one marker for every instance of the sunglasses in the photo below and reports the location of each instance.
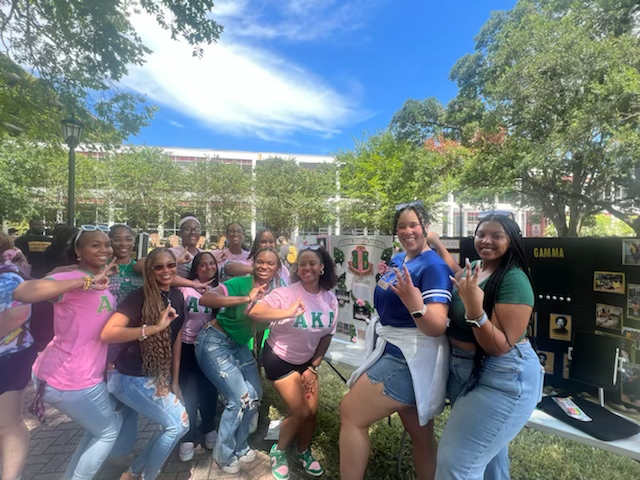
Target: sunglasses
(90, 228)
(160, 267)
(416, 203)
(309, 247)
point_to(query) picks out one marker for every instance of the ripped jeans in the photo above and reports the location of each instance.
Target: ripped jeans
(234, 372)
(139, 394)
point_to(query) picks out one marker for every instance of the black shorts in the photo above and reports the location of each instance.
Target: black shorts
(15, 369)
(276, 368)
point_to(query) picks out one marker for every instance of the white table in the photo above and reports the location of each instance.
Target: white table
(352, 356)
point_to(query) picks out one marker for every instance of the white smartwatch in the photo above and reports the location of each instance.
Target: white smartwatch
(419, 313)
(477, 322)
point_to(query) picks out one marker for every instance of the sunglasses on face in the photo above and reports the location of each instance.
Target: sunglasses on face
(416, 203)
(90, 228)
(160, 267)
(309, 247)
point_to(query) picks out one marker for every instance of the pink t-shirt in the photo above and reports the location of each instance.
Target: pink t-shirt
(184, 268)
(76, 357)
(196, 316)
(295, 340)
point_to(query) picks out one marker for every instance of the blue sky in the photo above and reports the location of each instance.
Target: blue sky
(303, 76)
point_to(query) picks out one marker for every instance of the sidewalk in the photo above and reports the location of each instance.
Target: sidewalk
(52, 445)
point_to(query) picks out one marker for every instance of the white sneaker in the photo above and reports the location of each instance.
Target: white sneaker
(233, 467)
(253, 426)
(187, 451)
(210, 439)
(248, 457)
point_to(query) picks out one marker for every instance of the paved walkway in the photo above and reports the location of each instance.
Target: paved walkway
(52, 445)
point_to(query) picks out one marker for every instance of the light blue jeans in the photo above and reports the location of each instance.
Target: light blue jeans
(474, 444)
(140, 395)
(92, 409)
(233, 370)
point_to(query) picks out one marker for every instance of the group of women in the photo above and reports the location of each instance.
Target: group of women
(167, 336)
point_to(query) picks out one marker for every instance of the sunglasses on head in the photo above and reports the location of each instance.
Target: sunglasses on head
(90, 228)
(309, 247)
(416, 203)
(160, 267)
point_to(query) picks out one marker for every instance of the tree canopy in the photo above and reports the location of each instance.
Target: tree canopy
(76, 51)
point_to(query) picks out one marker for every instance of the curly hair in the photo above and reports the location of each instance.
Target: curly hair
(328, 278)
(156, 351)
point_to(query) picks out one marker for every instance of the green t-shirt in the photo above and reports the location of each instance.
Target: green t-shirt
(233, 319)
(514, 288)
(125, 281)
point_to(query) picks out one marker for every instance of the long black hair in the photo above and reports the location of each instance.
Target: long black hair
(256, 241)
(514, 257)
(193, 273)
(328, 278)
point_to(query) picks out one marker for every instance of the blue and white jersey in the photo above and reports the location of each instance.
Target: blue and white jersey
(428, 272)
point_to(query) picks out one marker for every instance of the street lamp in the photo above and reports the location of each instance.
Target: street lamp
(71, 131)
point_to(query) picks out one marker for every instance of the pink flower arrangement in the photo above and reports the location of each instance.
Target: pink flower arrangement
(360, 302)
(382, 268)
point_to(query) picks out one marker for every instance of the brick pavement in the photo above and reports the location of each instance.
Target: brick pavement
(52, 445)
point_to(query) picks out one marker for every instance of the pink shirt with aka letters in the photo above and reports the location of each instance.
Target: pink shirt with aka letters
(76, 357)
(196, 316)
(295, 340)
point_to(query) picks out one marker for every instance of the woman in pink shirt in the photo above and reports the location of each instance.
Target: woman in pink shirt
(295, 348)
(198, 392)
(70, 371)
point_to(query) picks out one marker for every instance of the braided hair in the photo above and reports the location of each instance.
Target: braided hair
(514, 257)
(156, 351)
(420, 212)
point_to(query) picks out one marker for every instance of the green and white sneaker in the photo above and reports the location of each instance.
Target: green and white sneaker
(310, 464)
(279, 465)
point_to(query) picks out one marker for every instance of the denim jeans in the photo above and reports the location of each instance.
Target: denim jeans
(233, 370)
(140, 394)
(198, 392)
(93, 410)
(474, 444)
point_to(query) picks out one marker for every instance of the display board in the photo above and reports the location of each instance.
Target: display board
(581, 284)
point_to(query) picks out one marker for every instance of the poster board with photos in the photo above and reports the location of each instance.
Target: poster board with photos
(358, 260)
(580, 284)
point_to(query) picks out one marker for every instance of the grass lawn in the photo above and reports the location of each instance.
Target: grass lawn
(534, 455)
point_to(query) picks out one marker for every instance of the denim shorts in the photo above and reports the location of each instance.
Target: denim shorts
(393, 372)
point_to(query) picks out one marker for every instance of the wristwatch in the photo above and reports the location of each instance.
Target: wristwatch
(419, 313)
(476, 322)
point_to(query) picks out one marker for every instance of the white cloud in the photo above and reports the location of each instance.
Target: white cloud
(240, 89)
(293, 20)
(176, 124)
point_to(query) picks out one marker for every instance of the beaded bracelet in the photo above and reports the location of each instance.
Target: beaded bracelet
(143, 334)
(87, 283)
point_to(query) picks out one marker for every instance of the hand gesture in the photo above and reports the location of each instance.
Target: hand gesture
(309, 382)
(471, 294)
(111, 268)
(184, 257)
(297, 308)
(257, 292)
(169, 314)
(405, 289)
(201, 287)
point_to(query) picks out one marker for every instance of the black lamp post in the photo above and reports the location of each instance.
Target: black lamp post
(71, 131)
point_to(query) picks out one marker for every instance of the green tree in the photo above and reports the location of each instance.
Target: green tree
(219, 193)
(381, 172)
(144, 185)
(549, 104)
(418, 120)
(80, 49)
(289, 195)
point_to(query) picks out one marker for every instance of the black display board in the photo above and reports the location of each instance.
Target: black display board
(581, 284)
